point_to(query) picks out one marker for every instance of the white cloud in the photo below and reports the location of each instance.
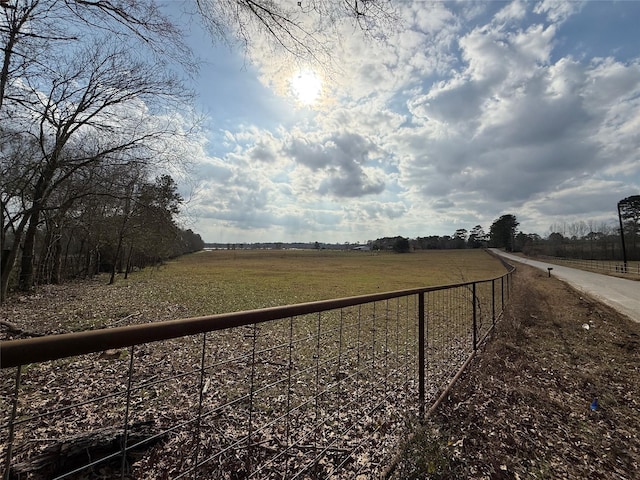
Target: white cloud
(516, 10)
(336, 164)
(448, 123)
(558, 11)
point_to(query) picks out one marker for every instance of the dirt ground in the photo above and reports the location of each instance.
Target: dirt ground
(555, 393)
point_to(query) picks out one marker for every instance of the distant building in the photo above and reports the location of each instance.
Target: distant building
(363, 248)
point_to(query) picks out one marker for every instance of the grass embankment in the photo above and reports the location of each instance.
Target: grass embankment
(523, 408)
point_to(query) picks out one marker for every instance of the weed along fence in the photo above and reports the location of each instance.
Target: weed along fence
(316, 390)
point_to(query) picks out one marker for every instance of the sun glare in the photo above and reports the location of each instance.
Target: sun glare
(306, 86)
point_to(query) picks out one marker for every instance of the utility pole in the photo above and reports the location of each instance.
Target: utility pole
(624, 251)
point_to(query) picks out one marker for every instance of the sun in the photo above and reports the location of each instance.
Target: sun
(306, 86)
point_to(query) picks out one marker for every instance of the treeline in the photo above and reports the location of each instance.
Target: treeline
(128, 226)
(602, 243)
(590, 240)
(88, 131)
(583, 240)
(462, 238)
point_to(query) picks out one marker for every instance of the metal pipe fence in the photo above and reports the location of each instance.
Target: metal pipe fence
(617, 267)
(322, 390)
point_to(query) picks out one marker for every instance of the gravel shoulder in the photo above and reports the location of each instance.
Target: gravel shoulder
(523, 407)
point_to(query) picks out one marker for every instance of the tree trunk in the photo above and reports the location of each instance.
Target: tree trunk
(128, 269)
(56, 261)
(9, 258)
(125, 217)
(8, 53)
(44, 272)
(26, 265)
(64, 263)
(115, 261)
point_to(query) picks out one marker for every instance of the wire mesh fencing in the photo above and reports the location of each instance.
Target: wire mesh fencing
(324, 390)
(630, 269)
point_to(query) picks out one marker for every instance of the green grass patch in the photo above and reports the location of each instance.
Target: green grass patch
(223, 281)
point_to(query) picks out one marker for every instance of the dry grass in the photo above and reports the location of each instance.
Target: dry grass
(223, 281)
(213, 282)
(166, 373)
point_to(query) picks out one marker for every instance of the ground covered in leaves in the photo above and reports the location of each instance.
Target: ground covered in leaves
(554, 394)
(522, 409)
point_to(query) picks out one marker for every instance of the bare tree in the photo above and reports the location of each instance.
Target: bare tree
(296, 27)
(32, 31)
(68, 102)
(78, 104)
(92, 112)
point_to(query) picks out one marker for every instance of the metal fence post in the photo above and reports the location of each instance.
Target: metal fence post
(203, 357)
(493, 302)
(14, 409)
(123, 462)
(421, 352)
(507, 286)
(475, 318)
(252, 389)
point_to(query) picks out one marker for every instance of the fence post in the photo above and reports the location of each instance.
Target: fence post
(125, 435)
(14, 409)
(502, 293)
(421, 352)
(475, 318)
(252, 358)
(203, 370)
(493, 302)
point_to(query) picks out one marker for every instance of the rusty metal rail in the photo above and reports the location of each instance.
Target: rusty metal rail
(316, 390)
(53, 347)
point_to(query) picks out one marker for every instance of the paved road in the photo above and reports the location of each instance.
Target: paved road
(619, 293)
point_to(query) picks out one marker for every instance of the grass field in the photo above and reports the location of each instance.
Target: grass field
(224, 281)
(345, 379)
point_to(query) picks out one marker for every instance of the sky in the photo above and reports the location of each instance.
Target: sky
(461, 112)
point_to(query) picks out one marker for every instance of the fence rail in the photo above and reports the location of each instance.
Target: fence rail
(317, 390)
(617, 267)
